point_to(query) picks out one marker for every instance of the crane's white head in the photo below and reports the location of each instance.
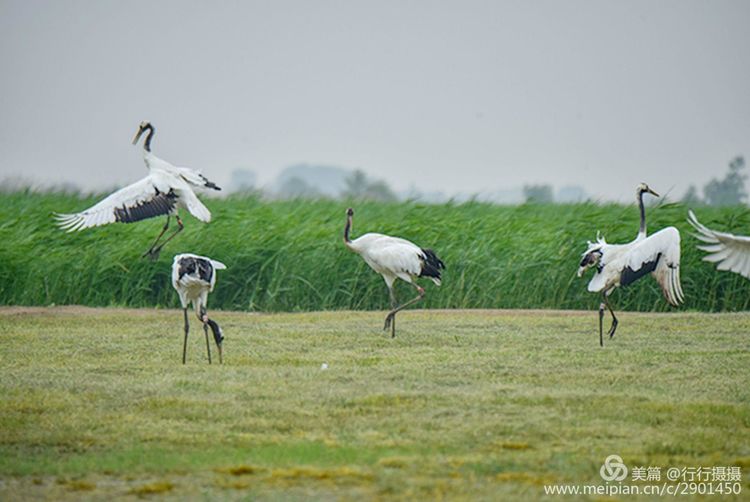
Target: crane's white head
(593, 255)
(644, 188)
(141, 128)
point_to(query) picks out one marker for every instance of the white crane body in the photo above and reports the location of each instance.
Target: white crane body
(395, 258)
(392, 257)
(622, 264)
(194, 277)
(164, 190)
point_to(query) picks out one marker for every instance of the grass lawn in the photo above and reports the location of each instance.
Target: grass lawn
(475, 405)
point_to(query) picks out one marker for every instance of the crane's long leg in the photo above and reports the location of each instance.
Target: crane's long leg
(153, 253)
(163, 230)
(613, 328)
(392, 314)
(394, 305)
(187, 329)
(601, 320)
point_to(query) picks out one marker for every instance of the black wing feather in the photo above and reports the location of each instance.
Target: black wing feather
(159, 204)
(208, 183)
(629, 276)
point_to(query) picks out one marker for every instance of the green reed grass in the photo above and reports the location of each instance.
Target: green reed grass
(289, 256)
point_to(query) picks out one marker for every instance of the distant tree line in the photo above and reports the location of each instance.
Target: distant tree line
(357, 185)
(538, 194)
(728, 191)
(310, 181)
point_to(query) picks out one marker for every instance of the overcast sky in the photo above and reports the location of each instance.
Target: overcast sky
(443, 95)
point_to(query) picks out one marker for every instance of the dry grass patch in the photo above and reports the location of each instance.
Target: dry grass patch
(153, 488)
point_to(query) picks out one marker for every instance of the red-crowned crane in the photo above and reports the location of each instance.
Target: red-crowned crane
(394, 258)
(729, 252)
(193, 277)
(163, 191)
(622, 264)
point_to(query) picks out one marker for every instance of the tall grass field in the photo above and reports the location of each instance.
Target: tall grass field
(289, 256)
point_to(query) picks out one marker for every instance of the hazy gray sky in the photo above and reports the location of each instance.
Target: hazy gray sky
(445, 95)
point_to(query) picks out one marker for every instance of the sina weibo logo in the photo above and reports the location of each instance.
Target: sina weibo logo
(613, 469)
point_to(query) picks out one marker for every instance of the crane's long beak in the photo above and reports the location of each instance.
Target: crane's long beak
(138, 135)
(581, 270)
(653, 193)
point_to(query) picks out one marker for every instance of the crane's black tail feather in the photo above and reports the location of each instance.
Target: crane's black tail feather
(431, 265)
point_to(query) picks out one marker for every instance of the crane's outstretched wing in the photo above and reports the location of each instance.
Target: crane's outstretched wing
(658, 254)
(146, 198)
(187, 174)
(730, 252)
(182, 179)
(193, 203)
(195, 177)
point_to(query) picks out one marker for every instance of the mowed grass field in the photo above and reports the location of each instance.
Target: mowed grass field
(462, 405)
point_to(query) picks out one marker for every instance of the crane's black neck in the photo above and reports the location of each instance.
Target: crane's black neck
(216, 330)
(642, 230)
(147, 142)
(347, 229)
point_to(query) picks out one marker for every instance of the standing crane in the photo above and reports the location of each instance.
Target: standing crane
(622, 264)
(394, 258)
(193, 277)
(163, 191)
(730, 252)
